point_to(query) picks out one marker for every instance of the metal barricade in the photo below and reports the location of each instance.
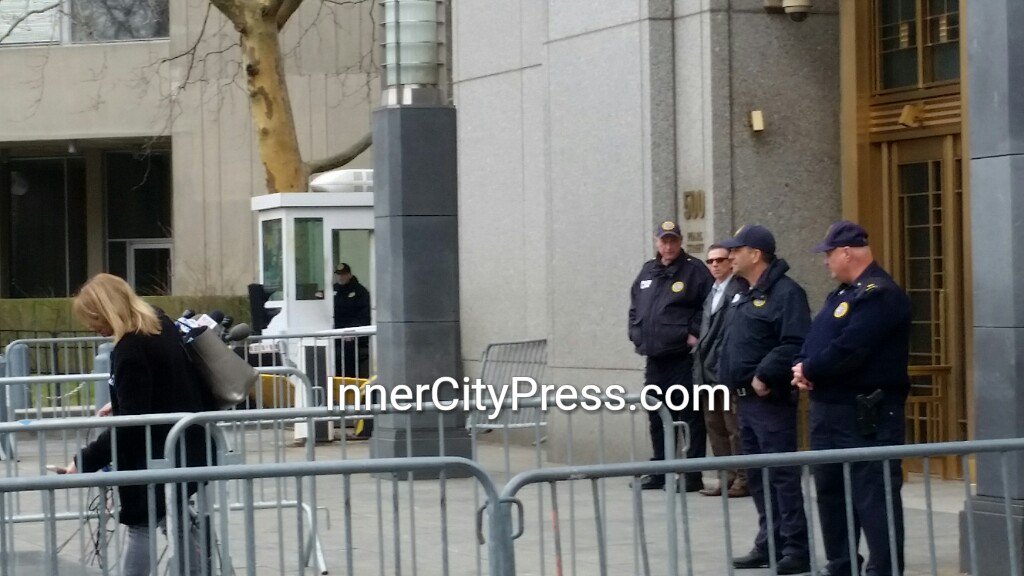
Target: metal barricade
(501, 364)
(714, 526)
(265, 543)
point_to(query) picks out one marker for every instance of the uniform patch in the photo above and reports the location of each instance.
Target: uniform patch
(760, 302)
(645, 284)
(870, 287)
(668, 225)
(841, 310)
(678, 287)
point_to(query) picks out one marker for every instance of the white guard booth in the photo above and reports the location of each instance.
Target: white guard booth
(303, 237)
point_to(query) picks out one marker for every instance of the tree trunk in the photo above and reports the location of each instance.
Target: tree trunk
(270, 106)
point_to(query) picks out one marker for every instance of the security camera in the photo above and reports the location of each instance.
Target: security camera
(798, 10)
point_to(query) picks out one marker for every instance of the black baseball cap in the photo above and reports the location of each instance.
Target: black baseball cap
(343, 269)
(668, 228)
(843, 233)
(754, 236)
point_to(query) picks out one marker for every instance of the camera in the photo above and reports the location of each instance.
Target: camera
(797, 10)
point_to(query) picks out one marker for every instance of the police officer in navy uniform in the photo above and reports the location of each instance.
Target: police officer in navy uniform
(765, 330)
(854, 363)
(666, 302)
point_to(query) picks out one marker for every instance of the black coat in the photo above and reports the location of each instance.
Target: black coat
(766, 328)
(149, 375)
(666, 303)
(351, 304)
(712, 332)
(859, 341)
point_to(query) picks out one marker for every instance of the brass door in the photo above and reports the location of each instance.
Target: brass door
(923, 248)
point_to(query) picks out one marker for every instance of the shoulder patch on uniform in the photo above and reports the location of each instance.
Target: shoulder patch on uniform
(678, 287)
(842, 310)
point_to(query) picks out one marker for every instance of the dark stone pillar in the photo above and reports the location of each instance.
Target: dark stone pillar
(995, 37)
(417, 280)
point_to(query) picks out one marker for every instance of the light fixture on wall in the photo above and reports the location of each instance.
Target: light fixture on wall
(757, 120)
(910, 116)
(797, 10)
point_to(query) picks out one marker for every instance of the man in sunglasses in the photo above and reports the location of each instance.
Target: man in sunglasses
(723, 429)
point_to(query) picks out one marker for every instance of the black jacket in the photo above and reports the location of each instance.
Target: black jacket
(766, 328)
(666, 304)
(712, 332)
(351, 304)
(859, 341)
(148, 375)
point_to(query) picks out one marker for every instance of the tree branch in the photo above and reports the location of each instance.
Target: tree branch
(23, 17)
(232, 11)
(343, 157)
(288, 7)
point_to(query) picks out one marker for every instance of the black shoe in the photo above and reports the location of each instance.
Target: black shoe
(842, 569)
(693, 485)
(793, 565)
(651, 482)
(755, 559)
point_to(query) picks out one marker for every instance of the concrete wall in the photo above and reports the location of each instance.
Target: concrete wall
(121, 90)
(579, 134)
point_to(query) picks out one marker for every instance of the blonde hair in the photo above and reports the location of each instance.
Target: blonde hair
(110, 300)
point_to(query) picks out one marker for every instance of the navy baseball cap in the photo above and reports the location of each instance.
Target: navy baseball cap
(668, 228)
(755, 236)
(843, 233)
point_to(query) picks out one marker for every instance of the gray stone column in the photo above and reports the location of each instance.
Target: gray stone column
(995, 36)
(416, 246)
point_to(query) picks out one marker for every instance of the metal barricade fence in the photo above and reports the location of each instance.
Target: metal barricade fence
(715, 526)
(274, 545)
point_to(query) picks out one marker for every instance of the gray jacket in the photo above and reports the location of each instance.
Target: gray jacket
(712, 330)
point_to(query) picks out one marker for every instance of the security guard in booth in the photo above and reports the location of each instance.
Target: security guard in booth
(854, 363)
(351, 309)
(666, 302)
(764, 332)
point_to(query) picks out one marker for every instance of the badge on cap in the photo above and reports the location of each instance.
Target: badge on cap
(841, 310)
(668, 225)
(678, 287)
(760, 302)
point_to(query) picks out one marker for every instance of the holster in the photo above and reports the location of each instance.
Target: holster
(869, 413)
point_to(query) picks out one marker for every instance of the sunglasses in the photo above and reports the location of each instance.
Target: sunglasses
(716, 260)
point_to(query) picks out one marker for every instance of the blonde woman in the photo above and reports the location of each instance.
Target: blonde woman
(150, 374)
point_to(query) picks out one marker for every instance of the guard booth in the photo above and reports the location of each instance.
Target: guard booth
(302, 238)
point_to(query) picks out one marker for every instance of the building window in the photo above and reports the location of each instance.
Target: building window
(917, 43)
(47, 244)
(82, 21)
(138, 203)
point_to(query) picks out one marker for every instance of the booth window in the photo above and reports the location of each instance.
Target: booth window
(309, 259)
(272, 264)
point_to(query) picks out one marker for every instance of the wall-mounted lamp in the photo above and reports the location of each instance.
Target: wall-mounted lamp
(910, 117)
(757, 121)
(797, 10)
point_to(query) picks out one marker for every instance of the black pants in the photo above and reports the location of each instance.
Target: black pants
(835, 426)
(352, 357)
(663, 372)
(769, 427)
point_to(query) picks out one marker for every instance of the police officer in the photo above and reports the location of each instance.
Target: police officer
(764, 331)
(664, 321)
(854, 363)
(351, 308)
